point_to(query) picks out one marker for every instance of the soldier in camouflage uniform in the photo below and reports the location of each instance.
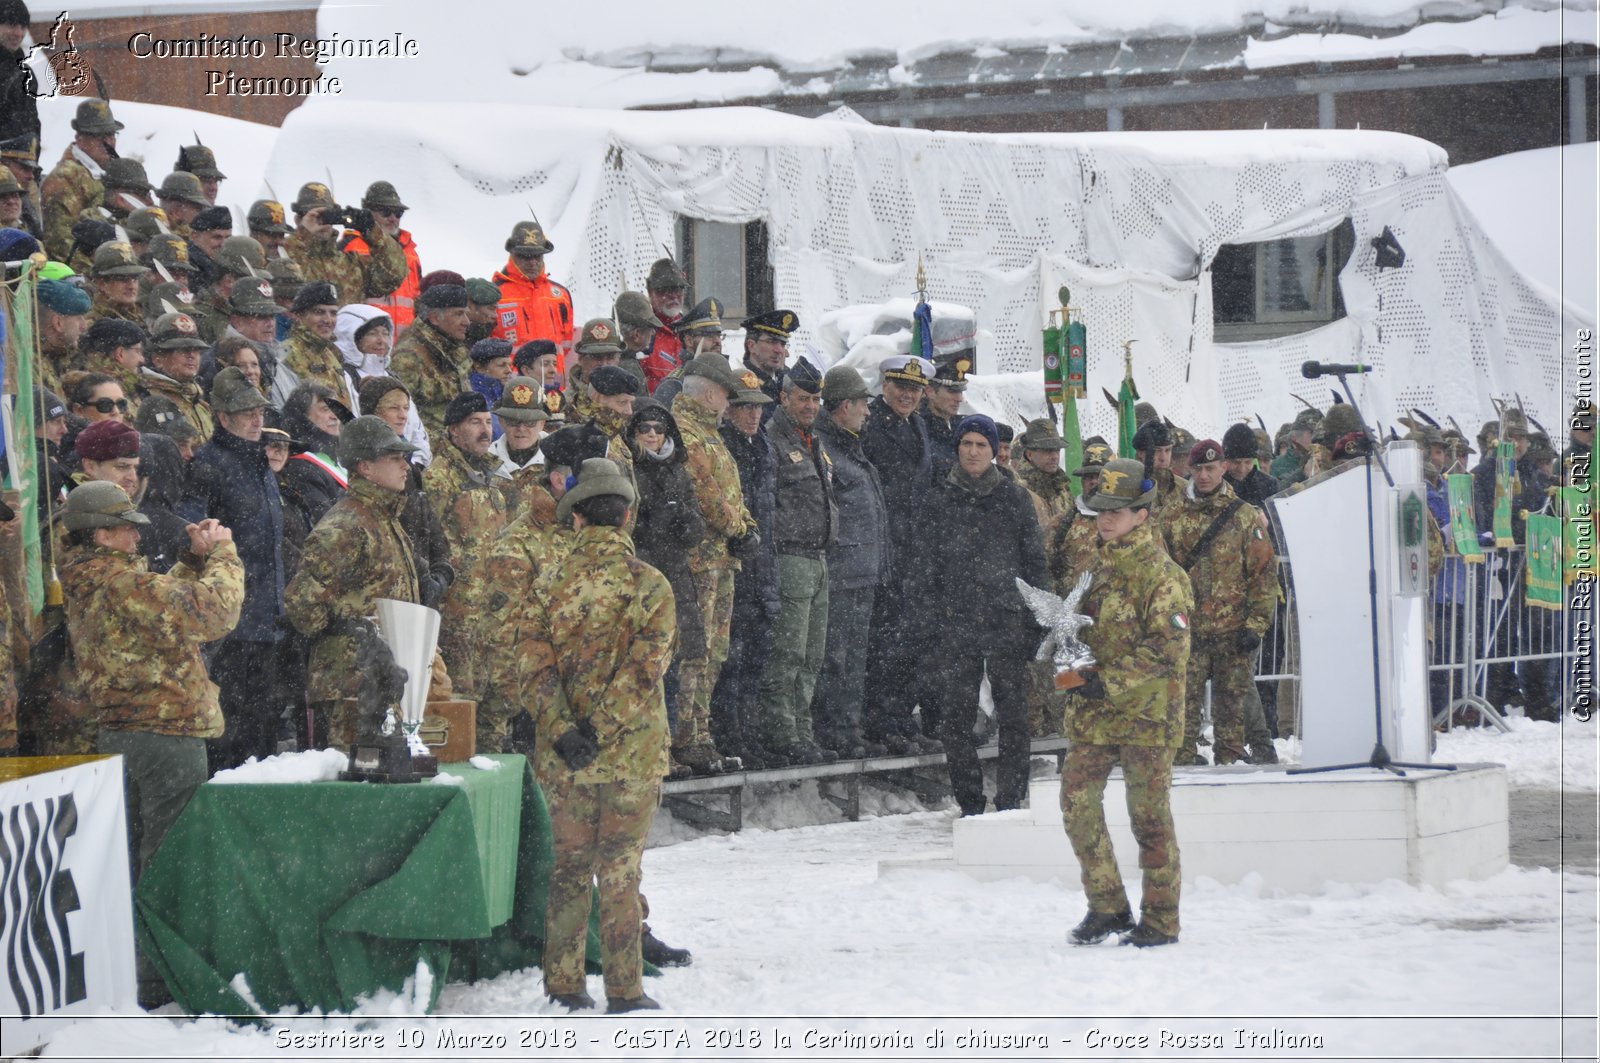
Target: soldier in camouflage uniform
(432, 355)
(597, 345)
(1129, 711)
(20, 156)
(74, 185)
(524, 418)
(116, 283)
(1040, 471)
(173, 352)
(126, 190)
(136, 638)
(315, 248)
(202, 162)
(473, 498)
(1235, 587)
(1153, 443)
(265, 220)
(592, 646)
(310, 350)
(1071, 541)
(64, 309)
(730, 533)
(183, 199)
(355, 555)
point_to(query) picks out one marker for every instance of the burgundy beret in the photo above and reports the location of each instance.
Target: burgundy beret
(108, 440)
(1206, 450)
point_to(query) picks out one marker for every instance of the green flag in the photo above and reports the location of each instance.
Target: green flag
(1126, 397)
(1507, 487)
(1544, 561)
(24, 465)
(1054, 369)
(1463, 532)
(1073, 455)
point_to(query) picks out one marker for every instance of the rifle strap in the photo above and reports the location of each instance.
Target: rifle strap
(1205, 541)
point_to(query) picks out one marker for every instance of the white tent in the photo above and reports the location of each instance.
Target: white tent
(1131, 222)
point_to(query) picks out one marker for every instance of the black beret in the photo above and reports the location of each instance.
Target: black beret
(490, 349)
(111, 332)
(463, 406)
(317, 293)
(211, 219)
(614, 380)
(443, 297)
(571, 445)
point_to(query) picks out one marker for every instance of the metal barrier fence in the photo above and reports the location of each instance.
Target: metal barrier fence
(1487, 647)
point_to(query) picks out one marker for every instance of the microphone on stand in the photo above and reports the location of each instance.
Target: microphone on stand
(1312, 370)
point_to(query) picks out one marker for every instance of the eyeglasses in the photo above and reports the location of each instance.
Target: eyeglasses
(107, 405)
(387, 213)
(654, 428)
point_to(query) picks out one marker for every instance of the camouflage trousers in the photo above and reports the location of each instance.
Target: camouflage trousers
(1047, 706)
(598, 832)
(1236, 714)
(799, 639)
(697, 677)
(1147, 775)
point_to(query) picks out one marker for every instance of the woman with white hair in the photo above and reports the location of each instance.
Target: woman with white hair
(365, 336)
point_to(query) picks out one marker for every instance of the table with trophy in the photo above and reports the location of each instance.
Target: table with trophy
(313, 895)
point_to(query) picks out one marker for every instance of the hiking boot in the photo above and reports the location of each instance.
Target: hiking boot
(752, 757)
(924, 744)
(661, 954)
(701, 758)
(622, 1005)
(1097, 926)
(579, 1001)
(898, 745)
(1264, 753)
(1188, 760)
(800, 753)
(1144, 936)
(823, 754)
(774, 757)
(676, 770)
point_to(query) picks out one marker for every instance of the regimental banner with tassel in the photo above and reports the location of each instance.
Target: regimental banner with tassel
(20, 362)
(1543, 535)
(1463, 532)
(1127, 396)
(1507, 488)
(1066, 365)
(922, 318)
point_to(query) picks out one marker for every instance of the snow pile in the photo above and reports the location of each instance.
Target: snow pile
(311, 765)
(1510, 31)
(1539, 209)
(1546, 756)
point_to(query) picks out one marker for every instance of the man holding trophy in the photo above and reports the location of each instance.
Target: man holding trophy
(1128, 709)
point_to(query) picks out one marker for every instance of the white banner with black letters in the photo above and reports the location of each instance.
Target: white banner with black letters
(66, 908)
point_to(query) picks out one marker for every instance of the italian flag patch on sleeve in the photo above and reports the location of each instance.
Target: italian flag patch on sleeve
(1180, 621)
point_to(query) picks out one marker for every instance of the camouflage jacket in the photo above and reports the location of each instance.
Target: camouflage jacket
(128, 378)
(66, 193)
(136, 637)
(1070, 545)
(1235, 583)
(355, 555)
(1170, 489)
(1053, 486)
(435, 368)
(356, 278)
(101, 308)
(530, 546)
(315, 361)
(1140, 602)
(189, 399)
(716, 483)
(584, 408)
(210, 319)
(595, 648)
(56, 363)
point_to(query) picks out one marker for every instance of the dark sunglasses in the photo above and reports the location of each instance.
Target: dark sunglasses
(387, 213)
(107, 405)
(658, 427)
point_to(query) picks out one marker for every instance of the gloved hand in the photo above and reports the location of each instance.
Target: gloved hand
(1247, 642)
(435, 584)
(773, 608)
(1094, 688)
(744, 547)
(578, 747)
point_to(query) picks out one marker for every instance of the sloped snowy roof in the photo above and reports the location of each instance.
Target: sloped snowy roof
(628, 53)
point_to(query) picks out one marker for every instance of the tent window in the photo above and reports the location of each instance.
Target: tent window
(1278, 287)
(729, 261)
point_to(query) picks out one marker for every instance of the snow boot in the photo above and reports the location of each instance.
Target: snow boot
(622, 1005)
(1144, 936)
(1097, 926)
(579, 1001)
(661, 954)
(1263, 754)
(701, 758)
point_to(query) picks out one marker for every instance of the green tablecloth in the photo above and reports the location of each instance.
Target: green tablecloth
(321, 893)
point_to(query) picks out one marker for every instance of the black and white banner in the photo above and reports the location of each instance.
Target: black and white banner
(66, 909)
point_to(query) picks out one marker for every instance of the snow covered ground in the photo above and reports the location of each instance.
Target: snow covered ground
(799, 923)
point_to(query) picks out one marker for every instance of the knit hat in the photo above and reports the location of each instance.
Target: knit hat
(981, 424)
(371, 390)
(107, 440)
(47, 405)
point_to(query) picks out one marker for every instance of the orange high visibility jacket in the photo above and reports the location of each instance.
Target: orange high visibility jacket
(664, 355)
(400, 304)
(534, 309)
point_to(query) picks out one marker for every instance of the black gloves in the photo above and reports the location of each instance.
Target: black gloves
(1094, 688)
(745, 546)
(438, 580)
(1247, 642)
(579, 746)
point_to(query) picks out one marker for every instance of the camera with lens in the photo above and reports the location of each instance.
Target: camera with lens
(348, 217)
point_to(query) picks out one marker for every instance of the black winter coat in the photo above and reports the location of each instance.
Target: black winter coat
(1255, 488)
(982, 535)
(161, 466)
(429, 547)
(804, 515)
(668, 524)
(900, 451)
(229, 480)
(859, 556)
(758, 579)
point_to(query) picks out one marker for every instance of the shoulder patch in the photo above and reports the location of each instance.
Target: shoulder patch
(1256, 532)
(498, 601)
(1180, 621)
